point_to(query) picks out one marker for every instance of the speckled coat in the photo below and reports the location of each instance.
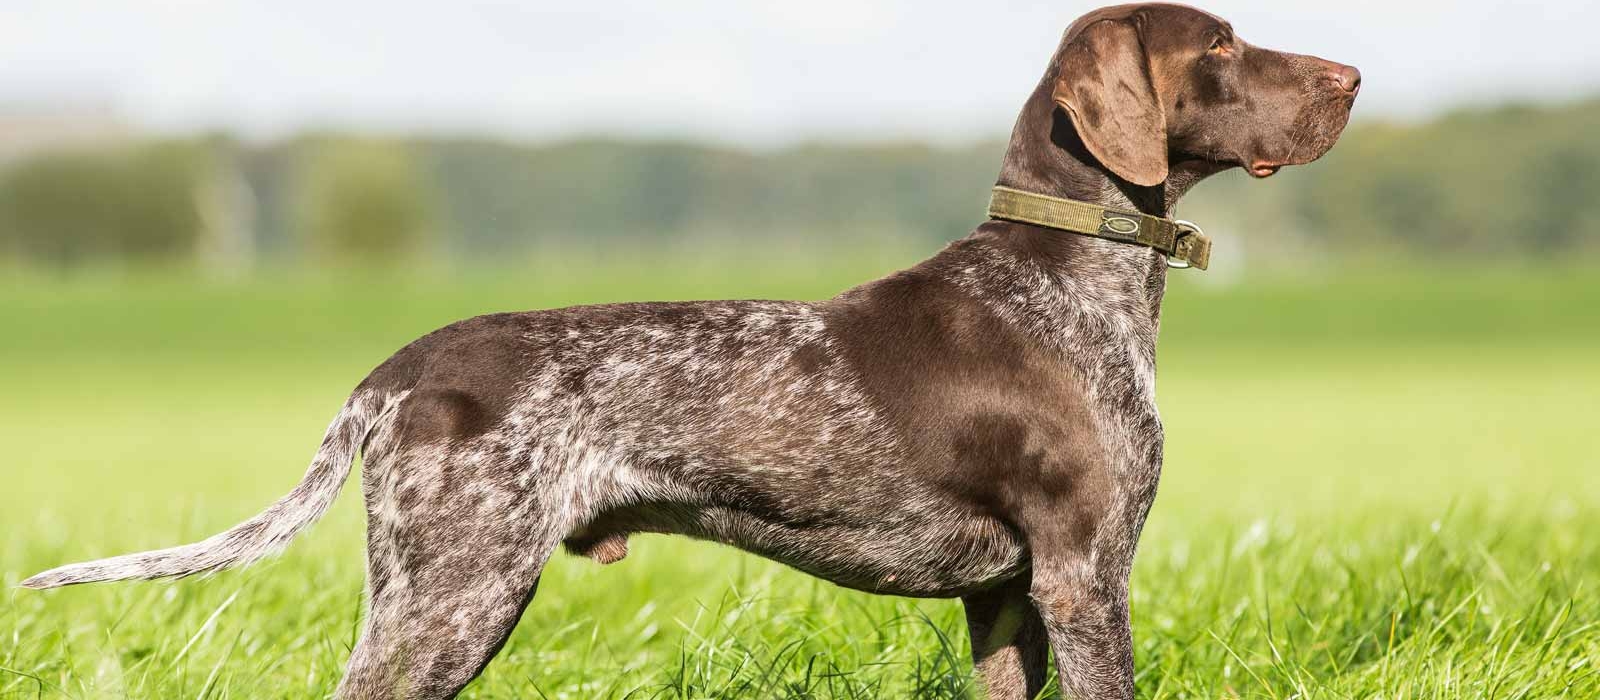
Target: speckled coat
(982, 425)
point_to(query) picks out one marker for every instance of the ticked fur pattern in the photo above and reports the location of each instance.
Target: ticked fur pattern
(981, 425)
(490, 442)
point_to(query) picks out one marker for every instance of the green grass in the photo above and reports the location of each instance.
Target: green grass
(1378, 484)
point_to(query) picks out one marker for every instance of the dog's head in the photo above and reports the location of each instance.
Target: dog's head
(1150, 86)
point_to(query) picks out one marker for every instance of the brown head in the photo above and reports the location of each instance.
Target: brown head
(1151, 89)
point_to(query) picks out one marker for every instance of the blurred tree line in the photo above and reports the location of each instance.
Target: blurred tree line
(1514, 180)
(64, 209)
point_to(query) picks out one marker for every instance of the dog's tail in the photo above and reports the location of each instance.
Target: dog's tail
(260, 536)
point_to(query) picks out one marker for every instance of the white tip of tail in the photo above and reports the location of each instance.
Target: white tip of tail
(253, 539)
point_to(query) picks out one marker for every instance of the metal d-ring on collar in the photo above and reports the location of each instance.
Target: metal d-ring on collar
(1186, 230)
(1184, 244)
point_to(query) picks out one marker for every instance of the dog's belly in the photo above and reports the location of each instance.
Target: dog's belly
(936, 558)
(903, 554)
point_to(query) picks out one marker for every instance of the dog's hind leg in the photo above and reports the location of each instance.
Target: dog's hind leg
(430, 640)
(451, 570)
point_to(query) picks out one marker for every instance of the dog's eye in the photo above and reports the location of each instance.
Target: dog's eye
(1219, 46)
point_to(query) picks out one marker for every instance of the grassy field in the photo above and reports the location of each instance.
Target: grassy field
(1379, 484)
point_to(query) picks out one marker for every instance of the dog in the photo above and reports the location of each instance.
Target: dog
(982, 425)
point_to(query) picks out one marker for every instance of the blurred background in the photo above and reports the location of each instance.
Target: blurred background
(232, 136)
(216, 216)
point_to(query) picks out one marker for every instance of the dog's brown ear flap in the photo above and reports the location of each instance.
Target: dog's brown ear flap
(1104, 86)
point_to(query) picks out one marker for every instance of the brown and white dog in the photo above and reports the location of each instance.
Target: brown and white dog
(982, 425)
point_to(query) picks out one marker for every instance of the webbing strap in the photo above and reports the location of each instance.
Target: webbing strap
(1181, 241)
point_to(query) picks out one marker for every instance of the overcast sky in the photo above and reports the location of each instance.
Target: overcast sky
(747, 72)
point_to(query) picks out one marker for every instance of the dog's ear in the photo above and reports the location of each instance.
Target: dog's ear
(1104, 85)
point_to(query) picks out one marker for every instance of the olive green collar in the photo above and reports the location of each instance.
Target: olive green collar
(1184, 244)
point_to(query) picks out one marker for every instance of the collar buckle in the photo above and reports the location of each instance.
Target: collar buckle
(1190, 246)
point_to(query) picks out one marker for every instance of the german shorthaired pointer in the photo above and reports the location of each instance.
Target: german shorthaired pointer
(982, 425)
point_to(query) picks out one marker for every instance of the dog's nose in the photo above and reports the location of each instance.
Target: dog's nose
(1346, 77)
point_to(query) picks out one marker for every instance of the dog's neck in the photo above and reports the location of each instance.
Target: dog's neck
(1046, 156)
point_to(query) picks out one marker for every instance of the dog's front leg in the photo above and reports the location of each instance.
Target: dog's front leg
(1009, 647)
(1083, 602)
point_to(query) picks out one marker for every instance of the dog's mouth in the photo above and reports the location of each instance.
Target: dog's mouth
(1312, 135)
(1262, 168)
